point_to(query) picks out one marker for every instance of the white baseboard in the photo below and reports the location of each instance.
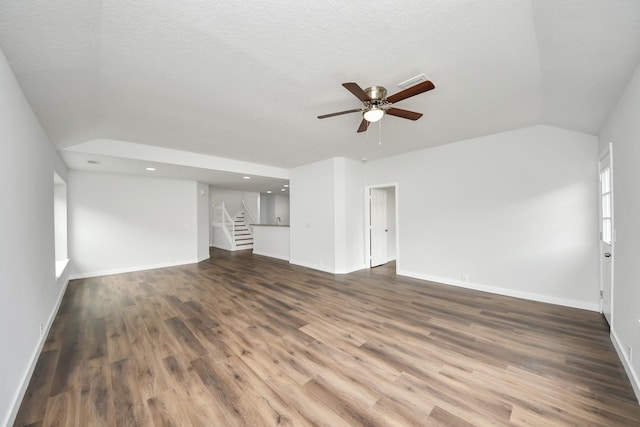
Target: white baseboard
(229, 248)
(131, 269)
(221, 246)
(271, 255)
(204, 258)
(502, 291)
(345, 270)
(311, 266)
(631, 373)
(11, 417)
(350, 269)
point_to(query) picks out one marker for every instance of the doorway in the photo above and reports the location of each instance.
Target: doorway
(381, 222)
(607, 234)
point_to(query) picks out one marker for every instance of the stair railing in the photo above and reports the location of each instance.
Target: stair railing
(251, 215)
(222, 219)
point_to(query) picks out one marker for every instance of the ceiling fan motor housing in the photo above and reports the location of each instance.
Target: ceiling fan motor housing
(376, 93)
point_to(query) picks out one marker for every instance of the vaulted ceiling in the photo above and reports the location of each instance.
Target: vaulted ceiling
(246, 80)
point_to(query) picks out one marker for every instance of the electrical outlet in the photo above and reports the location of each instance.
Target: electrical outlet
(41, 329)
(464, 277)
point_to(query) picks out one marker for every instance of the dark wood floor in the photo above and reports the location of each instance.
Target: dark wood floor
(247, 340)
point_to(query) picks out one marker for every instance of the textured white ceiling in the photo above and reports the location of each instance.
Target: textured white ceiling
(246, 80)
(220, 179)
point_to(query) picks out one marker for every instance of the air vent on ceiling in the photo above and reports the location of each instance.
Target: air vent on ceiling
(413, 81)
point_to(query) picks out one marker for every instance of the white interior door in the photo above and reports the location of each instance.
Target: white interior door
(607, 236)
(379, 229)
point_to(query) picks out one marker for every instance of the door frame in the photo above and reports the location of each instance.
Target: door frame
(608, 151)
(367, 221)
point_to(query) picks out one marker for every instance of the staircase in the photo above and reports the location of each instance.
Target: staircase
(242, 235)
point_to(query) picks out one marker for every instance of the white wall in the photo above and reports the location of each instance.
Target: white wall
(203, 220)
(233, 200)
(29, 292)
(273, 206)
(267, 209)
(282, 209)
(623, 130)
(252, 200)
(126, 223)
(349, 215)
(313, 216)
(515, 212)
(327, 216)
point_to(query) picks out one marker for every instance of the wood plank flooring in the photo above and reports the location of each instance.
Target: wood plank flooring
(244, 340)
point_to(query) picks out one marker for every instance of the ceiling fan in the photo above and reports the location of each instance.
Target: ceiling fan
(376, 103)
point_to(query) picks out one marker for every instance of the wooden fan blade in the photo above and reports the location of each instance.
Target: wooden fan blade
(411, 91)
(357, 91)
(363, 126)
(324, 116)
(405, 114)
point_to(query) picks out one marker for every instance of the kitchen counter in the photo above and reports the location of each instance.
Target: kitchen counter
(271, 240)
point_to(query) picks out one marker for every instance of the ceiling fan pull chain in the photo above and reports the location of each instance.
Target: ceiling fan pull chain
(379, 132)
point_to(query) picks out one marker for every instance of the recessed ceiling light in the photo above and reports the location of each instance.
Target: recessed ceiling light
(269, 192)
(247, 177)
(284, 189)
(286, 186)
(151, 169)
(93, 162)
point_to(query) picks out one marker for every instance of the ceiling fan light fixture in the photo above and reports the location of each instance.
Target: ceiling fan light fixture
(373, 114)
